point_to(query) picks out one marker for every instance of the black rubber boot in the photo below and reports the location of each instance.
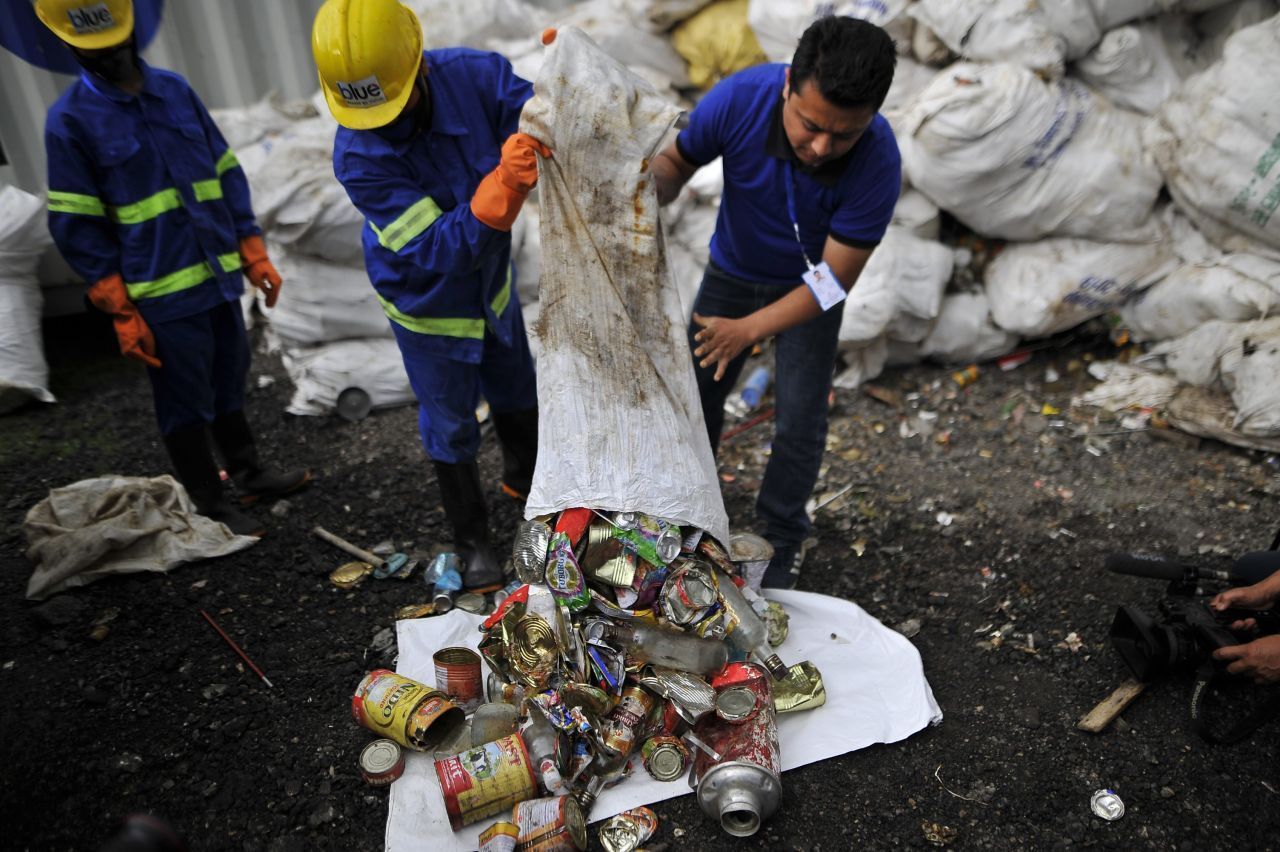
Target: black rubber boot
(464, 505)
(235, 441)
(518, 434)
(193, 462)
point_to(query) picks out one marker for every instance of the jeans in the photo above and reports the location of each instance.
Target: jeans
(805, 358)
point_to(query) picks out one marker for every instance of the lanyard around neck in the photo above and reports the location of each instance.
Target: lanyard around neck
(791, 209)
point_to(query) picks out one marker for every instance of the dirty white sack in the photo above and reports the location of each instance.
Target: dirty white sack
(321, 373)
(1132, 68)
(1233, 287)
(1127, 386)
(964, 332)
(863, 362)
(323, 301)
(1041, 288)
(876, 693)
(778, 24)
(1216, 141)
(1017, 158)
(620, 425)
(24, 237)
(118, 525)
(1013, 31)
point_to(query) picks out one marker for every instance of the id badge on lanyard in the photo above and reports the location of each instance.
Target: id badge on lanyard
(822, 282)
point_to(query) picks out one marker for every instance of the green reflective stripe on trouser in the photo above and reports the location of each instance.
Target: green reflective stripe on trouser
(148, 208)
(73, 202)
(472, 329)
(227, 162)
(183, 279)
(408, 225)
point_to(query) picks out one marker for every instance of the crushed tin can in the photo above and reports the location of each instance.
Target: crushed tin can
(381, 762)
(626, 831)
(499, 837)
(486, 780)
(751, 553)
(553, 824)
(1106, 804)
(736, 703)
(529, 552)
(801, 689)
(422, 610)
(350, 574)
(655, 540)
(493, 721)
(665, 758)
(471, 602)
(742, 786)
(688, 694)
(401, 709)
(688, 595)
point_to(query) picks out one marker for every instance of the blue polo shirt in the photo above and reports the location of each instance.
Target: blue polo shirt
(850, 199)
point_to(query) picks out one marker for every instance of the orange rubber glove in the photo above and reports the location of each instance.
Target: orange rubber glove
(548, 35)
(253, 251)
(136, 340)
(501, 194)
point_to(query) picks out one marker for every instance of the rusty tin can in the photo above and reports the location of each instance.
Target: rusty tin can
(381, 762)
(555, 824)
(499, 837)
(665, 758)
(401, 709)
(743, 787)
(485, 780)
(458, 676)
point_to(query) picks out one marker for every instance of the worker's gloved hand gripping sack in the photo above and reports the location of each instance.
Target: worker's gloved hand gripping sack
(501, 194)
(136, 340)
(258, 267)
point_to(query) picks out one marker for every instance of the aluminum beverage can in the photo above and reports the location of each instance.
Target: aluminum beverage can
(743, 787)
(485, 780)
(555, 824)
(627, 720)
(1106, 804)
(499, 837)
(401, 709)
(458, 676)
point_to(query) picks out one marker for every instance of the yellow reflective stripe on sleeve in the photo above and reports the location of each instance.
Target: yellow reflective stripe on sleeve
(227, 162)
(73, 202)
(148, 208)
(408, 225)
(183, 279)
(469, 328)
(500, 301)
(207, 190)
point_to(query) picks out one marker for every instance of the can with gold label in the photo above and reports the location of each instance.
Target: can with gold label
(555, 824)
(486, 780)
(499, 837)
(401, 709)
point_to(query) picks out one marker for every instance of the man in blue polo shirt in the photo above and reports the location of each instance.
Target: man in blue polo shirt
(428, 152)
(811, 177)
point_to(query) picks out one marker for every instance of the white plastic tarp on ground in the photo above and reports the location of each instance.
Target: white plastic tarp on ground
(118, 525)
(876, 693)
(620, 426)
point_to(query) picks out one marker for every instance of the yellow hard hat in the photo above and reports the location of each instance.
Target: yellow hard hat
(88, 24)
(367, 53)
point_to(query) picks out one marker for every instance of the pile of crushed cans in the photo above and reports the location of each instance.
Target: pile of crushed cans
(624, 642)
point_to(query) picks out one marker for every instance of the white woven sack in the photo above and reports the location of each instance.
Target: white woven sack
(1038, 289)
(321, 373)
(1132, 68)
(1217, 140)
(620, 425)
(1013, 31)
(1014, 157)
(778, 24)
(23, 238)
(1234, 287)
(323, 302)
(964, 332)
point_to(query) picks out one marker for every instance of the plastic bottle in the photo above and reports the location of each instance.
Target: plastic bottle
(751, 635)
(543, 742)
(754, 388)
(668, 649)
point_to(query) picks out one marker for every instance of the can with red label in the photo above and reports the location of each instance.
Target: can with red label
(486, 780)
(399, 708)
(381, 762)
(458, 676)
(555, 824)
(628, 721)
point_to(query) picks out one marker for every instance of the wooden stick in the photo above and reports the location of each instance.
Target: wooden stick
(343, 544)
(1097, 719)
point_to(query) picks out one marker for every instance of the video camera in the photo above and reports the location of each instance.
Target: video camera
(1185, 632)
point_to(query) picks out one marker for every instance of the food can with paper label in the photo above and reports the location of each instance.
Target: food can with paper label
(485, 780)
(555, 824)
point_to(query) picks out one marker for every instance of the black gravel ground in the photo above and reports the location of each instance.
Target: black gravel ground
(1009, 600)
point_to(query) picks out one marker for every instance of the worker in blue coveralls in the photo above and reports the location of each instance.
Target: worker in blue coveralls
(811, 177)
(149, 205)
(429, 152)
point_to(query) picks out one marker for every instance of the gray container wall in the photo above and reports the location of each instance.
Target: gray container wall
(233, 52)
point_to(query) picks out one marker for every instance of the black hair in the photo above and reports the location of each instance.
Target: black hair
(850, 60)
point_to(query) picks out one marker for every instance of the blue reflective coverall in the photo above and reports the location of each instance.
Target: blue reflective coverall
(146, 187)
(445, 279)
